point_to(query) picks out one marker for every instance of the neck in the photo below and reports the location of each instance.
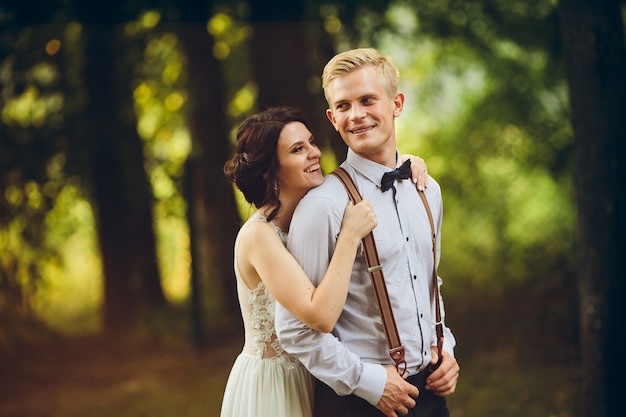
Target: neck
(386, 158)
(283, 217)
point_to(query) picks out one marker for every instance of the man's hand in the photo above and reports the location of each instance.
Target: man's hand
(398, 394)
(442, 382)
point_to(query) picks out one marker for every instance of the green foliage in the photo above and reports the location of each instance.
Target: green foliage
(232, 35)
(489, 115)
(32, 158)
(486, 108)
(161, 102)
(70, 292)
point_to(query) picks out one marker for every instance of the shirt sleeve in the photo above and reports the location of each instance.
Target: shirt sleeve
(312, 236)
(449, 342)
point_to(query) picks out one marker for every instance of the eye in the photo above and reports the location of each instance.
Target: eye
(342, 106)
(313, 142)
(367, 100)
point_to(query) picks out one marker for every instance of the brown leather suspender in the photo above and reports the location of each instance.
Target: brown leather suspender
(438, 321)
(375, 270)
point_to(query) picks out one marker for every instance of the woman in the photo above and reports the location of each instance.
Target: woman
(276, 162)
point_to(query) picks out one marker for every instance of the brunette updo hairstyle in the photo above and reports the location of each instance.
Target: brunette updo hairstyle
(254, 166)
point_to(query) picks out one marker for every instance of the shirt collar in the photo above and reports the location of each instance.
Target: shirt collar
(371, 170)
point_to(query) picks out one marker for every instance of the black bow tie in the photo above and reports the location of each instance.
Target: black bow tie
(403, 172)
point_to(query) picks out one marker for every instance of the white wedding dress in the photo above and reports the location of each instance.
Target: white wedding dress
(265, 381)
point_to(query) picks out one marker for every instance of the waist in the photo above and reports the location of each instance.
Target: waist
(372, 348)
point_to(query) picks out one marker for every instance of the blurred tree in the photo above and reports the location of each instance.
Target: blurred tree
(280, 26)
(122, 194)
(595, 62)
(213, 216)
(33, 145)
(292, 77)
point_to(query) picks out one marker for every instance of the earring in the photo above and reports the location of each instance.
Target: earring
(276, 186)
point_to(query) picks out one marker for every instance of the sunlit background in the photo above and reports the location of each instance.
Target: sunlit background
(502, 197)
(486, 107)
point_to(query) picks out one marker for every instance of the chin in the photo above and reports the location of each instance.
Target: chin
(318, 181)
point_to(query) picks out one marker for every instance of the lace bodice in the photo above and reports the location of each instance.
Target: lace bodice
(257, 307)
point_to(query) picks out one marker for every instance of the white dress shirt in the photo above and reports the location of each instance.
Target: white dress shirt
(350, 358)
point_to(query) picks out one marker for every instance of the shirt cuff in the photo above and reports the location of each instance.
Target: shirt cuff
(372, 383)
(448, 347)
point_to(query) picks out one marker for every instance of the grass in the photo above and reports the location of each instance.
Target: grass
(518, 357)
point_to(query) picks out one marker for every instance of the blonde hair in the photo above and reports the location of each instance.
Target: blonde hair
(348, 61)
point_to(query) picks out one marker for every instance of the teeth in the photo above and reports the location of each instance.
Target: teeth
(313, 168)
(357, 131)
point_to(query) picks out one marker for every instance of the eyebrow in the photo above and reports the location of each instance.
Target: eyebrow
(300, 142)
(364, 96)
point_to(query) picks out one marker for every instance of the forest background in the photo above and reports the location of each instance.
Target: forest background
(117, 226)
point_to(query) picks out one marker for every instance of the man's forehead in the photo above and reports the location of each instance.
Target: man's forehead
(355, 85)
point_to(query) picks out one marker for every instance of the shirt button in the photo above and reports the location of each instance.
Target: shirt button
(414, 276)
(407, 239)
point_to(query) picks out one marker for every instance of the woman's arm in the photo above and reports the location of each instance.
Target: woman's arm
(319, 308)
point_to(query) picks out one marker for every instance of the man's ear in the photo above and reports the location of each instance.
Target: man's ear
(331, 117)
(398, 104)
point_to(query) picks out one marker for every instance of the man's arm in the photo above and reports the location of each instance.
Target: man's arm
(449, 342)
(443, 381)
(312, 236)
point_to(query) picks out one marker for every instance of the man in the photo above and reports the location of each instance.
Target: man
(352, 365)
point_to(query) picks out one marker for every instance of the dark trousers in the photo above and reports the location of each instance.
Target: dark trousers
(329, 404)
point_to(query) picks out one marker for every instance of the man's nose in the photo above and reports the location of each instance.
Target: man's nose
(357, 112)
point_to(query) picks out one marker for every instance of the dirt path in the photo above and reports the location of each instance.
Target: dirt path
(516, 361)
(94, 377)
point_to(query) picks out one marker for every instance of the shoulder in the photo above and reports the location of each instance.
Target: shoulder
(256, 231)
(433, 195)
(330, 195)
(329, 188)
(433, 189)
(323, 205)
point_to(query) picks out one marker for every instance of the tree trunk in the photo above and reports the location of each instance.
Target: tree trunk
(279, 53)
(214, 220)
(288, 61)
(324, 129)
(122, 193)
(595, 61)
